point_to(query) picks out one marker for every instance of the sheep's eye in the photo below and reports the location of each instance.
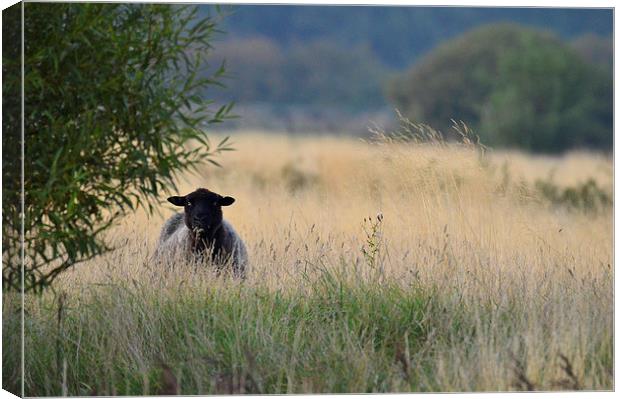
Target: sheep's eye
(188, 203)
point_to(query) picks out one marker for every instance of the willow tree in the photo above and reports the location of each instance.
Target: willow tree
(113, 95)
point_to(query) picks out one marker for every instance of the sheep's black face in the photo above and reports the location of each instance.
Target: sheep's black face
(203, 210)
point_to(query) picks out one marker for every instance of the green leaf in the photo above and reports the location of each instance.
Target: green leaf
(114, 99)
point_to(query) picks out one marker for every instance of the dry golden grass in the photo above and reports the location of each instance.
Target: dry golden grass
(316, 191)
(517, 282)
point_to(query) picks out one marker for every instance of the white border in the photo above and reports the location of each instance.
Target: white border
(471, 3)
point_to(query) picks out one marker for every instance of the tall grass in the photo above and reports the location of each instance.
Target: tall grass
(391, 266)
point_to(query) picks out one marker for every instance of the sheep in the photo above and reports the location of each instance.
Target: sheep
(201, 230)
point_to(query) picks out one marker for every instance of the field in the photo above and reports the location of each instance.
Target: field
(381, 266)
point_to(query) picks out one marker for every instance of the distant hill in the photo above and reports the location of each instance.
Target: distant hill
(399, 35)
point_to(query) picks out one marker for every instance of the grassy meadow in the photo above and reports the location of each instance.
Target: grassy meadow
(381, 266)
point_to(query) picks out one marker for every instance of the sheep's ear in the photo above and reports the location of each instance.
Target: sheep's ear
(225, 201)
(176, 200)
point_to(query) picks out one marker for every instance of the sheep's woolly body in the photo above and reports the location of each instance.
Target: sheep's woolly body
(176, 240)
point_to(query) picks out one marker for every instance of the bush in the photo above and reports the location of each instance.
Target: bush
(517, 87)
(588, 196)
(113, 95)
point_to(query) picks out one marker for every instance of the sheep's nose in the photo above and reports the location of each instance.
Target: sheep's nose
(201, 220)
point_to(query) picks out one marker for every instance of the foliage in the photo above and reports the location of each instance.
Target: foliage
(517, 87)
(297, 179)
(399, 35)
(254, 63)
(587, 196)
(256, 341)
(328, 55)
(335, 335)
(372, 247)
(11, 140)
(113, 96)
(310, 73)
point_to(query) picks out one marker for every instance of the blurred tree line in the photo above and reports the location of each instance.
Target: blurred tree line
(516, 87)
(420, 60)
(317, 72)
(398, 36)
